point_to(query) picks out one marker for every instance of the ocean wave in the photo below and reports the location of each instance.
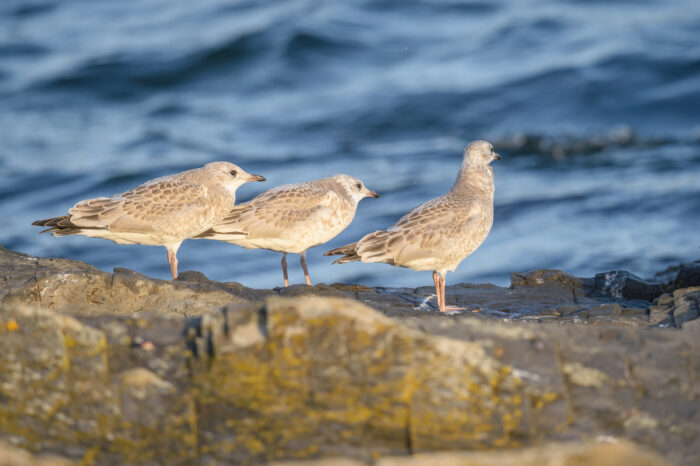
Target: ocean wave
(29, 9)
(123, 76)
(436, 6)
(22, 49)
(593, 107)
(301, 43)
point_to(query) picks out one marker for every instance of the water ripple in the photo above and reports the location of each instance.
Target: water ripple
(593, 107)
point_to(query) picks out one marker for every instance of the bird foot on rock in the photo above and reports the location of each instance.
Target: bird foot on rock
(455, 310)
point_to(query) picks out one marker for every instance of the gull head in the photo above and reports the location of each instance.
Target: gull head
(354, 188)
(228, 175)
(480, 153)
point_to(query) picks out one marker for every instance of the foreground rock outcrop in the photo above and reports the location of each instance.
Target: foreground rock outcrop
(120, 368)
(552, 454)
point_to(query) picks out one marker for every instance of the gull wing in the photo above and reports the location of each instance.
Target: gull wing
(427, 232)
(278, 210)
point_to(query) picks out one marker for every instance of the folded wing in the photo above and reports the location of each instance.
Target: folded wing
(275, 213)
(159, 205)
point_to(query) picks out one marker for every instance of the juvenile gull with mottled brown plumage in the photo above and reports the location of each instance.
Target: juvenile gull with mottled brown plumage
(440, 233)
(293, 218)
(161, 212)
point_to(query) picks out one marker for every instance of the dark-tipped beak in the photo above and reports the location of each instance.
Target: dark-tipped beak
(256, 178)
(496, 156)
(372, 194)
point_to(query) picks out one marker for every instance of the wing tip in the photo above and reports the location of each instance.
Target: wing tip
(343, 250)
(54, 223)
(348, 253)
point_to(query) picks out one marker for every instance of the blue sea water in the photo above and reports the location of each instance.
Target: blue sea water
(594, 106)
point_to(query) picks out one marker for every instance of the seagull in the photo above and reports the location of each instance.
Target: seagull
(161, 212)
(293, 218)
(438, 234)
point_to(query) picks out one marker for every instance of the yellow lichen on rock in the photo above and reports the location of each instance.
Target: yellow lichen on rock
(340, 369)
(289, 378)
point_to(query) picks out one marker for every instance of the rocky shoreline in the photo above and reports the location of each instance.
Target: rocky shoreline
(113, 368)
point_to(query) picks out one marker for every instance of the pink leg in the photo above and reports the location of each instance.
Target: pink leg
(284, 269)
(443, 306)
(436, 280)
(303, 266)
(172, 259)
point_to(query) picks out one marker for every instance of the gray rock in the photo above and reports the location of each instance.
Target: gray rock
(610, 453)
(562, 453)
(314, 376)
(686, 305)
(124, 369)
(661, 311)
(70, 286)
(622, 285)
(688, 276)
(13, 456)
(542, 295)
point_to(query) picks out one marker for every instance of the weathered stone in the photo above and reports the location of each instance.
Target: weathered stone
(692, 327)
(145, 397)
(341, 371)
(235, 289)
(619, 285)
(322, 462)
(571, 309)
(277, 378)
(617, 453)
(561, 454)
(71, 286)
(12, 456)
(320, 376)
(686, 305)
(548, 277)
(688, 276)
(660, 312)
(542, 295)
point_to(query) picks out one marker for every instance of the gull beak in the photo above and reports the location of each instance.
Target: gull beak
(372, 194)
(256, 178)
(496, 156)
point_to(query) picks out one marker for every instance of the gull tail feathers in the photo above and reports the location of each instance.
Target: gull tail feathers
(349, 253)
(59, 226)
(376, 247)
(49, 222)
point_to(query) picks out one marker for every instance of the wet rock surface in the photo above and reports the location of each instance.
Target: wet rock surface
(542, 295)
(121, 368)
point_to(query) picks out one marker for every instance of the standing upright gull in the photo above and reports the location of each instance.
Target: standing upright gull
(440, 233)
(293, 218)
(161, 212)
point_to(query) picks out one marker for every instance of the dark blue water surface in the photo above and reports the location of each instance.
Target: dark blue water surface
(595, 107)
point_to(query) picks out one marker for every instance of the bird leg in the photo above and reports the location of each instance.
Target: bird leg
(445, 307)
(284, 269)
(436, 278)
(172, 259)
(303, 266)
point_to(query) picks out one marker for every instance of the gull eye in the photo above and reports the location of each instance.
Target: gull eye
(234, 173)
(358, 186)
